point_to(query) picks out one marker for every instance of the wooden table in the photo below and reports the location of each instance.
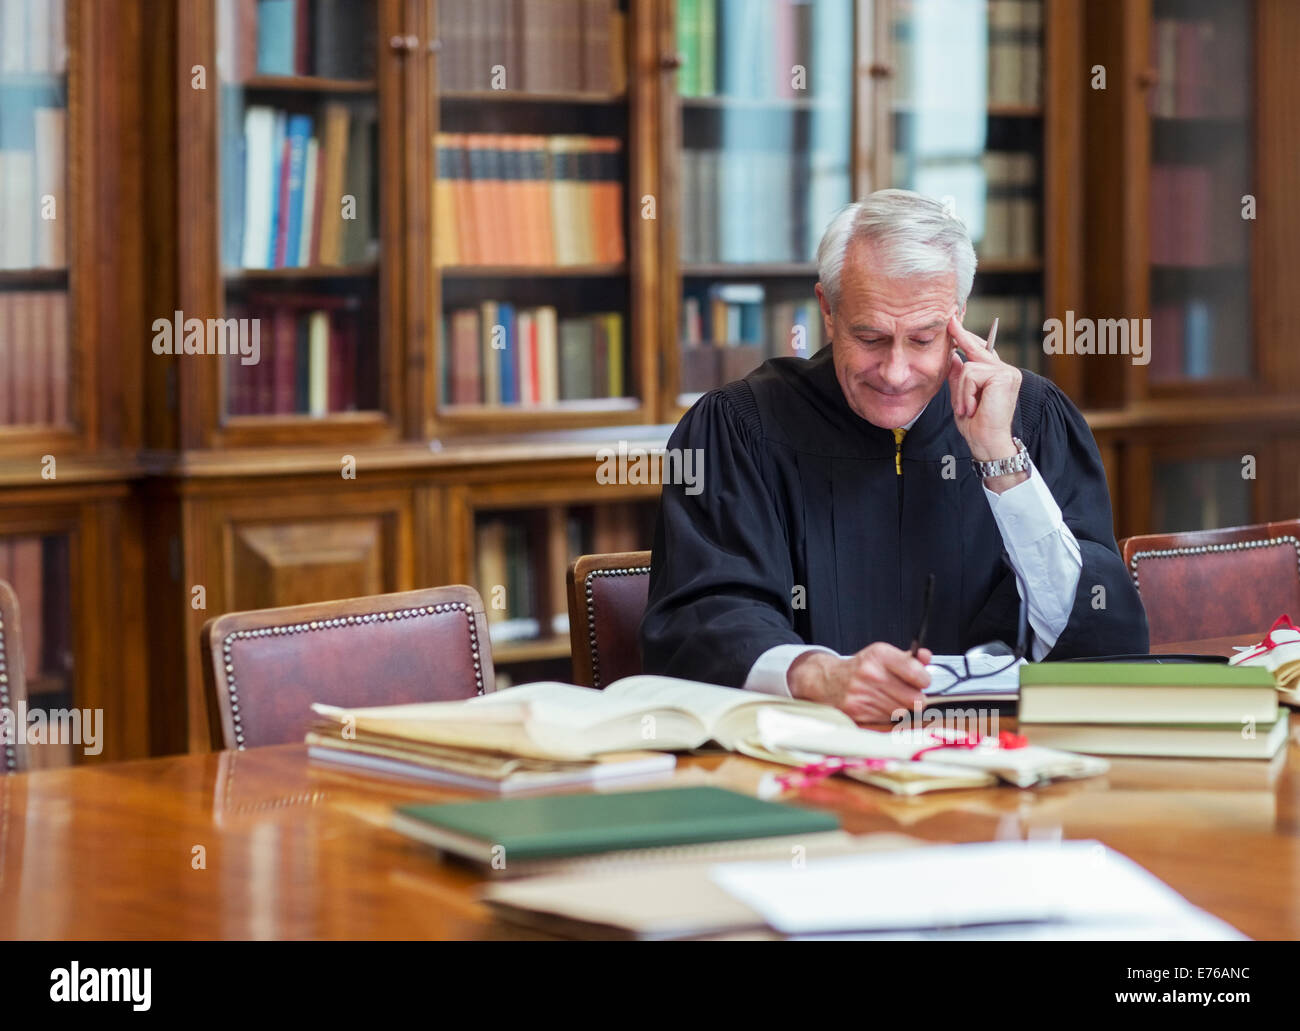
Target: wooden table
(263, 844)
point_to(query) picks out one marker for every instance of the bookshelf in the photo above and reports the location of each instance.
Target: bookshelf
(192, 485)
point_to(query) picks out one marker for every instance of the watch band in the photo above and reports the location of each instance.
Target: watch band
(1019, 462)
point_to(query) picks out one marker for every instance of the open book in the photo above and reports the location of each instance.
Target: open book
(562, 722)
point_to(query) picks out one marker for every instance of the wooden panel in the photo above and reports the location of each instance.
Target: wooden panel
(295, 563)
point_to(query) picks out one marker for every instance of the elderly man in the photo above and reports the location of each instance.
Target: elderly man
(834, 487)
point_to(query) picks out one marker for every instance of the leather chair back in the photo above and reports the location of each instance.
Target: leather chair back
(1216, 583)
(13, 682)
(607, 598)
(264, 668)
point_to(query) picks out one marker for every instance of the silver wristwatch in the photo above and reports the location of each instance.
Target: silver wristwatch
(1018, 463)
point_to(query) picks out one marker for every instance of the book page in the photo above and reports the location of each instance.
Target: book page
(729, 714)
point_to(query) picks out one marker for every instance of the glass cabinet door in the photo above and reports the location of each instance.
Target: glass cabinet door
(965, 126)
(766, 114)
(299, 202)
(529, 210)
(1200, 191)
(35, 373)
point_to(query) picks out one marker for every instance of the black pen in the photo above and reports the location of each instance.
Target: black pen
(919, 641)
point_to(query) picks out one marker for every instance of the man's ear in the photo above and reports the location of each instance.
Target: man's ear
(827, 320)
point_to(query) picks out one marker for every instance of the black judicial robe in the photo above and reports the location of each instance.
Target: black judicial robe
(801, 492)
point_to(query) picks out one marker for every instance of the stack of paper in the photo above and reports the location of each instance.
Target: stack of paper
(1073, 889)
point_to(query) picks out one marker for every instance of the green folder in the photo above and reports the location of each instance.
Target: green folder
(558, 826)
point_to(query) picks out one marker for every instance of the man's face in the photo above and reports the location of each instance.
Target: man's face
(890, 342)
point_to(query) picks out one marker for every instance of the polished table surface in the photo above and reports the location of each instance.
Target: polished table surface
(265, 844)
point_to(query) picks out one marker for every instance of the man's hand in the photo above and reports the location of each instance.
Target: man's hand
(869, 686)
(984, 390)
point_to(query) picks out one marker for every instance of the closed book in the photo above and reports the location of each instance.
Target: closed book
(29, 585)
(596, 72)
(360, 240)
(508, 356)
(575, 359)
(548, 355)
(13, 36)
(276, 24)
(445, 247)
(333, 170)
(559, 826)
(1234, 740)
(318, 338)
(278, 190)
(39, 355)
(22, 361)
(310, 193)
(7, 303)
(526, 344)
(466, 358)
(1106, 692)
(492, 333)
(617, 385)
(297, 136)
(259, 133)
(20, 207)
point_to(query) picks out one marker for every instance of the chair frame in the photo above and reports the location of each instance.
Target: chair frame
(13, 680)
(1203, 542)
(220, 633)
(582, 606)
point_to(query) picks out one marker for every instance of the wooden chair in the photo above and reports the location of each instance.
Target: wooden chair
(1216, 583)
(264, 668)
(607, 598)
(13, 683)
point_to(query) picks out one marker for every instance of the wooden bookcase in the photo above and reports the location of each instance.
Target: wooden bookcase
(183, 491)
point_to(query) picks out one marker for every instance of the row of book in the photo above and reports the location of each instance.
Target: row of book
(298, 191)
(500, 354)
(1193, 710)
(34, 337)
(762, 49)
(37, 568)
(1195, 213)
(1011, 207)
(33, 37)
(314, 359)
(33, 217)
(1202, 67)
(1015, 49)
(741, 313)
(539, 46)
(333, 39)
(1200, 338)
(503, 199)
(722, 188)
(1020, 327)
(521, 559)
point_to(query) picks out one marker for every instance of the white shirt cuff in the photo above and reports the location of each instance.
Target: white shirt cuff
(1026, 513)
(769, 672)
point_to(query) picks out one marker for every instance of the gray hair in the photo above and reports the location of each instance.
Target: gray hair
(920, 237)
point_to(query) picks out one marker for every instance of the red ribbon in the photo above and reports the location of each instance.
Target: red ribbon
(831, 765)
(1006, 740)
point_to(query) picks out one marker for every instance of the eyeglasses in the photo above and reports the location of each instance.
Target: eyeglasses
(984, 660)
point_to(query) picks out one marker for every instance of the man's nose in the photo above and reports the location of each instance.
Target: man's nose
(894, 371)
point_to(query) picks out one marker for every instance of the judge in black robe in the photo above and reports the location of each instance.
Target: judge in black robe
(799, 492)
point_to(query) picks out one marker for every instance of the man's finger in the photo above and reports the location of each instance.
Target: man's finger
(974, 346)
(907, 669)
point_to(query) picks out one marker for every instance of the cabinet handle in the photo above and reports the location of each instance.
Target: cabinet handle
(671, 62)
(1147, 78)
(880, 71)
(400, 43)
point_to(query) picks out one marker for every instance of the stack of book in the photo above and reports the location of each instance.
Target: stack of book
(332, 39)
(34, 358)
(500, 354)
(1198, 338)
(33, 216)
(502, 199)
(541, 46)
(312, 361)
(1194, 710)
(298, 190)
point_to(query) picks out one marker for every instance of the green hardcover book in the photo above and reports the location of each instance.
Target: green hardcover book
(1146, 693)
(1242, 740)
(706, 84)
(509, 832)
